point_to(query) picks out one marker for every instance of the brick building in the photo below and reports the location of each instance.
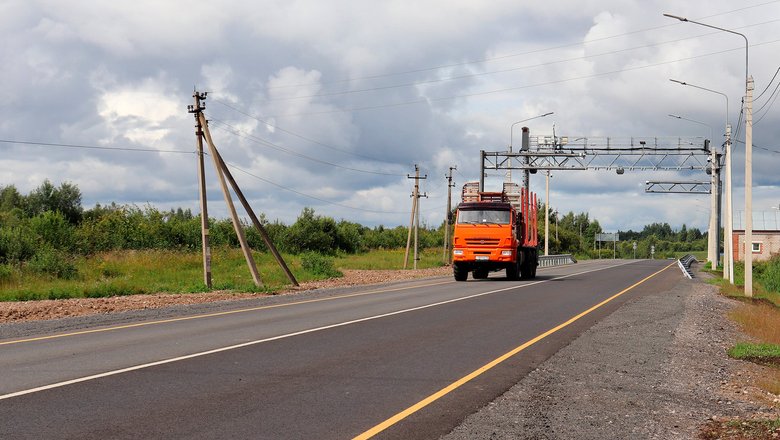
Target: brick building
(766, 235)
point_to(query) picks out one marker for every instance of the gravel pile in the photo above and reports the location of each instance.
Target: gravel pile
(655, 369)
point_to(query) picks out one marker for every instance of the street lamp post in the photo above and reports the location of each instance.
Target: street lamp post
(511, 133)
(748, 158)
(728, 251)
(547, 214)
(713, 239)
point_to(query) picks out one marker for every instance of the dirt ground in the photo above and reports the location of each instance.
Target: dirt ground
(19, 311)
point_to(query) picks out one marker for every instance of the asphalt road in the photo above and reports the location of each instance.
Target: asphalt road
(408, 361)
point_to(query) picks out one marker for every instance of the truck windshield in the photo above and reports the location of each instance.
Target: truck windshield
(478, 216)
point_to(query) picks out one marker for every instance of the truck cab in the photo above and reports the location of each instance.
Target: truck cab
(492, 235)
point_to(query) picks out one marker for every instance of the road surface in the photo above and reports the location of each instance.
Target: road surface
(408, 360)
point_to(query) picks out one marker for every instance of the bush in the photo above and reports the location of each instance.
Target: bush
(319, 264)
(51, 262)
(17, 244)
(54, 229)
(6, 272)
(770, 275)
(311, 233)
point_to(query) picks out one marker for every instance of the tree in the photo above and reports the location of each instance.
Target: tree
(10, 198)
(312, 233)
(683, 234)
(66, 200)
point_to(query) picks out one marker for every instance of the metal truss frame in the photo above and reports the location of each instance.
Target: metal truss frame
(604, 153)
(678, 187)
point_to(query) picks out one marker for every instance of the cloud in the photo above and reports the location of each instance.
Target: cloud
(333, 103)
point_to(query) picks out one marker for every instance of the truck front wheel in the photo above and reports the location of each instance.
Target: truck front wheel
(513, 271)
(459, 272)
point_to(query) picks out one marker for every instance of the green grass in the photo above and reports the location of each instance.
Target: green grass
(765, 354)
(700, 255)
(745, 350)
(139, 272)
(762, 284)
(391, 259)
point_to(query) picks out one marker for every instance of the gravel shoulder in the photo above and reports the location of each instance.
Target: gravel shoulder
(656, 368)
(25, 318)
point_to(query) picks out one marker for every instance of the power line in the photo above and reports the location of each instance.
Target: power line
(502, 57)
(770, 102)
(93, 147)
(151, 150)
(276, 127)
(236, 167)
(761, 148)
(528, 86)
(768, 85)
(237, 132)
(494, 72)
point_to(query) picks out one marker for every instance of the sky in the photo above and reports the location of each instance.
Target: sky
(330, 105)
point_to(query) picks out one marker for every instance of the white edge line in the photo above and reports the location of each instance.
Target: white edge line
(275, 338)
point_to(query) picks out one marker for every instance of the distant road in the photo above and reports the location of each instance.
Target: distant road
(406, 360)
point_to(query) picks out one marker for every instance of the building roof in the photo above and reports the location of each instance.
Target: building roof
(762, 220)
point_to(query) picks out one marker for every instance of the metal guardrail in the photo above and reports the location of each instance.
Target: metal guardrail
(556, 260)
(685, 265)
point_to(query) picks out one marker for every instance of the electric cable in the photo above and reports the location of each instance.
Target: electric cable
(494, 72)
(276, 127)
(509, 89)
(93, 147)
(238, 132)
(770, 102)
(329, 202)
(767, 86)
(502, 57)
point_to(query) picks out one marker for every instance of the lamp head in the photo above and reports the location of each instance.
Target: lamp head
(676, 17)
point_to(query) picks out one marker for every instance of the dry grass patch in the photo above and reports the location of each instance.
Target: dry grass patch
(761, 321)
(770, 382)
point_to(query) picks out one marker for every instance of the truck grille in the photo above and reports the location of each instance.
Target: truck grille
(482, 241)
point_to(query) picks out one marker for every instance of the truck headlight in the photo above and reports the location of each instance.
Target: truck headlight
(506, 253)
(457, 252)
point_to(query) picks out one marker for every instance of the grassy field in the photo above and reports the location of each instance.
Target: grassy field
(758, 318)
(390, 259)
(138, 272)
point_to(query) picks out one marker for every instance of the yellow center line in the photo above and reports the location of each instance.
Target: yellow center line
(211, 315)
(462, 381)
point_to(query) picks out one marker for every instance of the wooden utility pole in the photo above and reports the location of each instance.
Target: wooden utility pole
(414, 222)
(256, 221)
(229, 201)
(448, 218)
(411, 219)
(197, 109)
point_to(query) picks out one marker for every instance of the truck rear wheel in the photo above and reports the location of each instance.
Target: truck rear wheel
(459, 272)
(528, 268)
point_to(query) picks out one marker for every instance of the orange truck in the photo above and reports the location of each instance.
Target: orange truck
(495, 231)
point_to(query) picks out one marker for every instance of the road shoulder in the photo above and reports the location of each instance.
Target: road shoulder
(655, 368)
